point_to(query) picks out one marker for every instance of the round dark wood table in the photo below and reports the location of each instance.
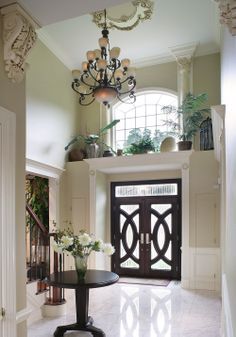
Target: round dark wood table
(93, 279)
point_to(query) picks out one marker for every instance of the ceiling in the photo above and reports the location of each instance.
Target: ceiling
(173, 23)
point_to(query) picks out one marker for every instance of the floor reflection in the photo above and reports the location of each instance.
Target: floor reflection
(152, 312)
(125, 310)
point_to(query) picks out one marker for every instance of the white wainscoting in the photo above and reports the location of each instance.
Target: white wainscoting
(205, 268)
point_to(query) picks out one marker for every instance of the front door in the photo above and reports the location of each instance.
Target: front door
(146, 229)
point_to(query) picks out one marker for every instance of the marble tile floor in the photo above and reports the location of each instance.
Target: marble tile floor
(130, 310)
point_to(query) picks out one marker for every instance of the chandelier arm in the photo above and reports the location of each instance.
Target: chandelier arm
(82, 98)
(75, 86)
(87, 84)
(131, 96)
(91, 74)
(130, 90)
(128, 79)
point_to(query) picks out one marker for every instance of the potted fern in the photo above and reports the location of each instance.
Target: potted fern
(191, 112)
(93, 142)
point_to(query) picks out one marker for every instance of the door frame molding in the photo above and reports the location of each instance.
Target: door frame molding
(7, 223)
(154, 162)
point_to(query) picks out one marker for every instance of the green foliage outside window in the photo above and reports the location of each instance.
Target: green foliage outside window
(143, 142)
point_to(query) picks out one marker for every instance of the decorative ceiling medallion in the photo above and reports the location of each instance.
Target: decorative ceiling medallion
(138, 11)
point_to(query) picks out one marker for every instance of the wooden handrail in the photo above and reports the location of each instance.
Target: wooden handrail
(39, 224)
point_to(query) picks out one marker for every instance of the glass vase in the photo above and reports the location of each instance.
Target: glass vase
(93, 150)
(81, 266)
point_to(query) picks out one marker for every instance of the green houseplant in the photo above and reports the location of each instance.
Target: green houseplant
(191, 112)
(93, 141)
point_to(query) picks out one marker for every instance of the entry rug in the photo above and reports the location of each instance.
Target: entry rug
(151, 282)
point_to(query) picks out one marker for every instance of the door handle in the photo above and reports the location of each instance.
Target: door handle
(147, 239)
(142, 238)
(2, 313)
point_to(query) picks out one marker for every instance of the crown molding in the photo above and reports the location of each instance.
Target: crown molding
(169, 57)
(158, 59)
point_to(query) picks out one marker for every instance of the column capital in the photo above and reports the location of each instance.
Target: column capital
(228, 14)
(19, 37)
(184, 54)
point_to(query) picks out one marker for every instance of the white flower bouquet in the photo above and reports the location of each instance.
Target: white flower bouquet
(65, 241)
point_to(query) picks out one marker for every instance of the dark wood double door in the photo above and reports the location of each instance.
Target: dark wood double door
(146, 233)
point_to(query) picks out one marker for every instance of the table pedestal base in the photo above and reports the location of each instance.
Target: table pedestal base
(90, 328)
(84, 322)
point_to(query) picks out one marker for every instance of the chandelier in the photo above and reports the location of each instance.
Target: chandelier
(104, 77)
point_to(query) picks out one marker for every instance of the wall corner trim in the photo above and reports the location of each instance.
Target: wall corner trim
(23, 315)
(46, 170)
(227, 317)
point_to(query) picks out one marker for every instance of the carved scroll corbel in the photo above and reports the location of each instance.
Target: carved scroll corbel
(19, 37)
(228, 14)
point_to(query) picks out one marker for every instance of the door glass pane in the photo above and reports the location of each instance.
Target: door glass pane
(168, 220)
(146, 190)
(129, 264)
(161, 237)
(169, 251)
(162, 265)
(129, 236)
(161, 208)
(136, 221)
(122, 221)
(129, 209)
(122, 250)
(153, 221)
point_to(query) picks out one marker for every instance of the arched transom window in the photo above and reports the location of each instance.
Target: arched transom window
(146, 115)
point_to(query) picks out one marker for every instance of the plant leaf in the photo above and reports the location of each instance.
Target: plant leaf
(109, 126)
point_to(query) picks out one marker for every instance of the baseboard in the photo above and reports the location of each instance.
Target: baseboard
(54, 310)
(227, 326)
(34, 303)
(23, 315)
(185, 283)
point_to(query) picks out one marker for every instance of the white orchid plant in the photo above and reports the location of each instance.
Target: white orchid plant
(65, 241)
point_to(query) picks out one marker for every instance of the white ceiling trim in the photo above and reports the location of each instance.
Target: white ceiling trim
(168, 57)
(146, 62)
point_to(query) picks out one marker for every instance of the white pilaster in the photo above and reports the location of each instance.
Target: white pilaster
(185, 262)
(184, 55)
